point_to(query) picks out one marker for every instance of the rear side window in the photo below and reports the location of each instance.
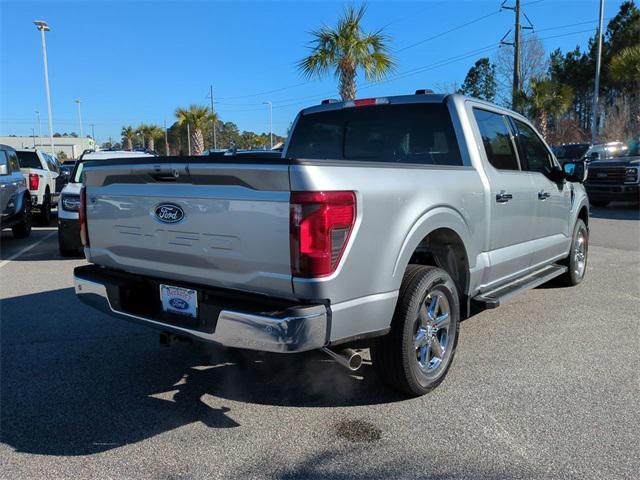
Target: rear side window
(496, 139)
(410, 133)
(4, 160)
(535, 156)
(29, 160)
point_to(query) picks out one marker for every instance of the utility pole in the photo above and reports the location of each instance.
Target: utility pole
(166, 139)
(517, 42)
(270, 122)
(78, 102)
(44, 27)
(596, 87)
(189, 139)
(215, 140)
(516, 59)
(39, 127)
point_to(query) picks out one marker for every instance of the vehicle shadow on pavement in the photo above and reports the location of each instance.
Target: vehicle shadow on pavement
(77, 382)
(617, 211)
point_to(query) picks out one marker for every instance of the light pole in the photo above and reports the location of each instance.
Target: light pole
(43, 27)
(33, 130)
(270, 122)
(39, 127)
(596, 87)
(78, 102)
(93, 135)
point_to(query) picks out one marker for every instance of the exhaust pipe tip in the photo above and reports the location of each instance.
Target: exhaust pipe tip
(348, 358)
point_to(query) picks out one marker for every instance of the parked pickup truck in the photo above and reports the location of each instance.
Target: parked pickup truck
(613, 180)
(42, 173)
(385, 222)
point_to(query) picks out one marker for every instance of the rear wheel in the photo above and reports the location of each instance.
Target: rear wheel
(578, 255)
(416, 355)
(44, 218)
(23, 229)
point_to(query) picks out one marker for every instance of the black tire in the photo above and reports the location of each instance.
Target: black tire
(395, 356)
(23, 229)
(599, 203)
(577, 271)
(44, 217)
(64, 250)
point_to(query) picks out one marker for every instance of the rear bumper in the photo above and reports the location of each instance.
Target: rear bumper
(613, 192)
(296, 328)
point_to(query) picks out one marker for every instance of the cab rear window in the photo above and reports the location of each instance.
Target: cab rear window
(29, 160)
(408, 133)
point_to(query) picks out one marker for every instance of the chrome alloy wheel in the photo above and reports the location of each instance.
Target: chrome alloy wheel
(580, 249)
(432, 332)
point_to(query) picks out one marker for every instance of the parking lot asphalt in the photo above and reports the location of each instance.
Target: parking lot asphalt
(546, 386)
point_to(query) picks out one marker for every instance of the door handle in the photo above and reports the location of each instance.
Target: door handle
(503, 197)
(542, 195)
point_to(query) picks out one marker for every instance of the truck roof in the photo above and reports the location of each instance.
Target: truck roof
(329, 105)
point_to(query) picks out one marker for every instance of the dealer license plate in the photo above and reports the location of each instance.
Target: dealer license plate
(182, 301)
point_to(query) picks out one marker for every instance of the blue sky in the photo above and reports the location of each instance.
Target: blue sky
(133, 62)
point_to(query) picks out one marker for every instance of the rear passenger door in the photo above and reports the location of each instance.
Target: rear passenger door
(512, 205)
(552, 198)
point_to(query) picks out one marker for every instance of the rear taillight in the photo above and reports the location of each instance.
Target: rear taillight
(82, 218)
(34, 181)
(320, 226)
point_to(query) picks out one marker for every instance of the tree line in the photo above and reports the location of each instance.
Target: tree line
(193, 130)
(557, 91)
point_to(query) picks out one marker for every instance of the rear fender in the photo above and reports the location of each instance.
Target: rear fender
(437, 218)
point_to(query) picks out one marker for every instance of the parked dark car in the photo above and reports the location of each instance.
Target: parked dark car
(616, 179)
(570, 152)
(15, 200)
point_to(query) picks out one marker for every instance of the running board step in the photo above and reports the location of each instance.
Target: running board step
(493, 298)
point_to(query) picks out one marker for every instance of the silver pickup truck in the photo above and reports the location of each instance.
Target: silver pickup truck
(384, 222)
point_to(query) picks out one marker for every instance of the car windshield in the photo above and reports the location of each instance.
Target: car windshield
(29, 160)
(567, 152)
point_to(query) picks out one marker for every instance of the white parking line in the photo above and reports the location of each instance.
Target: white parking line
(25, 249)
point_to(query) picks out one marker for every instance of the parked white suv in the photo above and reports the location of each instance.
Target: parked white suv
(42, 173)
(68, 228)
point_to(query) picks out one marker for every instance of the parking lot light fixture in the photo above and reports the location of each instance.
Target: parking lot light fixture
(44, 27)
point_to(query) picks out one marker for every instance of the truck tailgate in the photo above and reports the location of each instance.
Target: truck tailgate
(222, 225)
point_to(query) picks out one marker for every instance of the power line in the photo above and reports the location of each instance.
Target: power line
(441, 34)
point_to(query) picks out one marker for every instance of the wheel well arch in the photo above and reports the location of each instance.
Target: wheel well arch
(444, 248)
(583, 215)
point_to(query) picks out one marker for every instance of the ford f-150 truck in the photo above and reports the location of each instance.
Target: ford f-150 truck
(383, 224)
(42, 172)
(613, 180)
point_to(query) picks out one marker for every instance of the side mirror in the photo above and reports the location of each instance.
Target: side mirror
(3, 169)
(575, 171)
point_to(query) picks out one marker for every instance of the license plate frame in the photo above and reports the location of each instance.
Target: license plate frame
(179, 300)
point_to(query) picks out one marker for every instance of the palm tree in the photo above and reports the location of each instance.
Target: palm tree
(198, 118)
(128, 134)
(152, 133)
(346, 49)
(141, 131)
(625, 71)
(548, 99)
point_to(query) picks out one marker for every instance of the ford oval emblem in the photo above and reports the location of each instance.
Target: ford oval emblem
(178, 303)
(169, 213)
